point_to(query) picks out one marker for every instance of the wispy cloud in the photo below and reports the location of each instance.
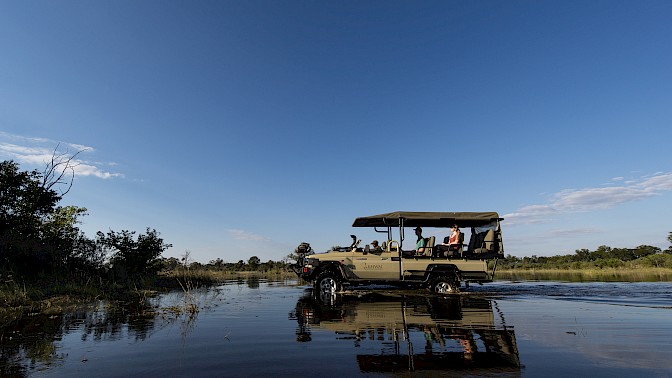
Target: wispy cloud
(246, 235)
(37, 152)
(589, 199)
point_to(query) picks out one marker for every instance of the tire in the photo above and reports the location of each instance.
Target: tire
(328, 282)
(445, 284)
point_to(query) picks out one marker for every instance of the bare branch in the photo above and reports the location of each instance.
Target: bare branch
(60, 166)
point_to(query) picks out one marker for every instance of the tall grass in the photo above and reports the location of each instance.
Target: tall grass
(580, 275)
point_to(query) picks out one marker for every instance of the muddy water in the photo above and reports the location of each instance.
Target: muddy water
(249, 329)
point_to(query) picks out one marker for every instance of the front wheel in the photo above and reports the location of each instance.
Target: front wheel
(328, 282)
(445, 284)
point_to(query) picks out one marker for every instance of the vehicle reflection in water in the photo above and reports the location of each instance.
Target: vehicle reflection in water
(413, 333)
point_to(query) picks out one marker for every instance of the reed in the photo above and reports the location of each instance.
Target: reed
(578, 275)
(213, 277)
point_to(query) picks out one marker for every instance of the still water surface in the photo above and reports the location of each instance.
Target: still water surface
(253, 328)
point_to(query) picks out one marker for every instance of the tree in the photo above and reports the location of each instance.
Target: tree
(170, 263)
(133, 257)
(217, 263)
(602, 252)
(254, 262)
(582, 254)
(24, 201)
(24, 205)
(646, 250)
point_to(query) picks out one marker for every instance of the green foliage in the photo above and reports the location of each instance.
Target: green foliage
(42, 248)
(131, 257)
(253, 262)
(25, 203)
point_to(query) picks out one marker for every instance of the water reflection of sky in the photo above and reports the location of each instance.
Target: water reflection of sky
(603, 332)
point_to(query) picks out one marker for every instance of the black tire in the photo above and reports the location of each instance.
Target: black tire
(445, 284)
(328, 282)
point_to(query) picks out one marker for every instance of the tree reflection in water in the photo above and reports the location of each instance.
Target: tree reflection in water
(413, 332)
(28, 343)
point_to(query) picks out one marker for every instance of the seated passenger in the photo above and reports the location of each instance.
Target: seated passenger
(420, 244)
(452, 245)
(375, 247)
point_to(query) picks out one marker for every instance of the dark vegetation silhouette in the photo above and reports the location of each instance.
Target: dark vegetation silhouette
(42, 250)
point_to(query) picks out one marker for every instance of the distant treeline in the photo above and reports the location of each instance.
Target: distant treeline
(603, 257)
(253, 264)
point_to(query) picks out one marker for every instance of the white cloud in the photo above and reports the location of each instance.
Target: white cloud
(37, 152)
(589, 199)
(245, 235)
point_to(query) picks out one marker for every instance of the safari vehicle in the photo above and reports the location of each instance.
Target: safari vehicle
(354, 265)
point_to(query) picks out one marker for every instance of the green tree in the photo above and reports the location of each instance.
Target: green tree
(25, 203)
(646, 250)
(218, 263)
(133, 257)
(170, 263)
(582, 254)
(254, 262)
(602, 252)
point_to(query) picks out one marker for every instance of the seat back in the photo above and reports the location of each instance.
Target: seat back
(489, 245)
(429, 245)
(489, 241)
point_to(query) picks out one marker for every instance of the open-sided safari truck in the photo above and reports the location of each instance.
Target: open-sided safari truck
(393, 265)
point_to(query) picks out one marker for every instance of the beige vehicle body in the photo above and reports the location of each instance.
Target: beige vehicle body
(392, 265)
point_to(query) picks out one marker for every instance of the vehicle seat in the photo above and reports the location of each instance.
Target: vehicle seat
(460, 240)
(429, 245)
(489, 244)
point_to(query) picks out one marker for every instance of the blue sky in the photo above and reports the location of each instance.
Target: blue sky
(241, 128)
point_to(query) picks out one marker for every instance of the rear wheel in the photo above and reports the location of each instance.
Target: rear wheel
(445, 284)
(328, 282)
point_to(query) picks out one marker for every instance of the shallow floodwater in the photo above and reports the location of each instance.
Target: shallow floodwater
(260, 328)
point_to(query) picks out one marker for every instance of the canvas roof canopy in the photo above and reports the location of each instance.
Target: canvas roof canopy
(427, 219)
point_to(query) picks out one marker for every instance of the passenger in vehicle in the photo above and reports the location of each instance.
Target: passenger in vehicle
(455, 241)
(441, 249)
(420, 244)
(452, 245)
(375, 247)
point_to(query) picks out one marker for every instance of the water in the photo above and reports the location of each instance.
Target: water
(511, 329)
